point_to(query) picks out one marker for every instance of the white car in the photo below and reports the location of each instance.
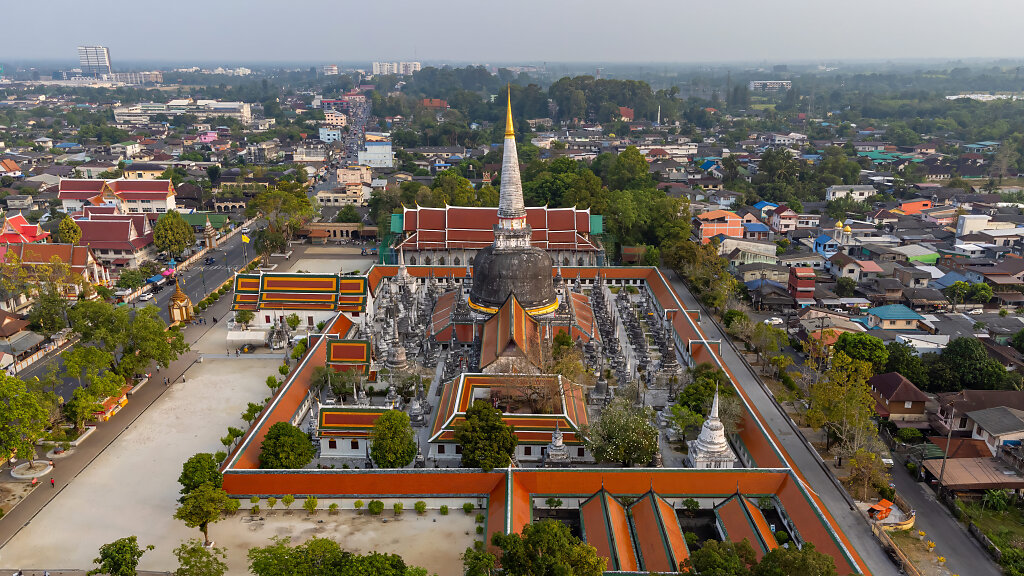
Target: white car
(774, 321)
(977, 312)
(245, 230)
(146, 297)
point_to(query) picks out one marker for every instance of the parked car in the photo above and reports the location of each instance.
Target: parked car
(146, 297)
(976, 312)
(774, 321)
(246, 229)
(210, 260)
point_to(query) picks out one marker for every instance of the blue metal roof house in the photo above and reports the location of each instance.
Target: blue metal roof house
(826, 246)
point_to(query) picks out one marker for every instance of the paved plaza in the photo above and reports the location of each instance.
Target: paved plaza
(132, 487)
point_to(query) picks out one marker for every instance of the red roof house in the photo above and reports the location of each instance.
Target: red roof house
(17, 230)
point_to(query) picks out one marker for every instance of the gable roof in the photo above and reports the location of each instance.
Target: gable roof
(659, 538)
(740, 519)
(511, 326)
(17, 230)
(605, 526)
(999, 420)
(894, 312)
(894, 387)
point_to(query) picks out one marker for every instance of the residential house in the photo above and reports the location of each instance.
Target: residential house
(10, 168)
(897, 398)
(914, 206)
(715, 222)
(996, 426)
(802, 258)
(826, 246)
(764, 208)
(893, 317)
(783, 219)
(858, 192)
(955, 407)
(143, 171)
(127, 196)
(843, 266)
(801, 285)
(16, 340)
(756, 231)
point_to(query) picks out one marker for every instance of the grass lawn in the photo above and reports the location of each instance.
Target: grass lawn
(1006, 529)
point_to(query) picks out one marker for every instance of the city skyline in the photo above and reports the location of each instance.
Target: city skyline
(790, 31)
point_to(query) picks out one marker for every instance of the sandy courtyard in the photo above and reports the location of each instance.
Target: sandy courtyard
(132, 486)
(345, 263)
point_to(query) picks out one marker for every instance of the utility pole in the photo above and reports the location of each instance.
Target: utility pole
(949, 439)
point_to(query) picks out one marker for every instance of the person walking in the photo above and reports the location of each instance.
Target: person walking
(53, 484)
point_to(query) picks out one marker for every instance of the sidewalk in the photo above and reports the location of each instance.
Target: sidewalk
(68, 468)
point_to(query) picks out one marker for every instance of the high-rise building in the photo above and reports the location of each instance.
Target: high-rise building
(396, 68)
(94, 59)
(330, 70)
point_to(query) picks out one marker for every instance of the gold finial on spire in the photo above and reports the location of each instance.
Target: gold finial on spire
(509, 131)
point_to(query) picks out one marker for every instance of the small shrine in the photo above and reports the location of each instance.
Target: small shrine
(179, 307)
(711, 448)
(209, 235)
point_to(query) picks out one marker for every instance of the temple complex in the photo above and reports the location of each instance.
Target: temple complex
(474, 318)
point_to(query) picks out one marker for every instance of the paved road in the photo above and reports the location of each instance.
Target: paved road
(802, 456)
(198, 281)
(963, 553)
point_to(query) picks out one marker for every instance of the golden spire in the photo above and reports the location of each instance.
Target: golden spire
(509, 131)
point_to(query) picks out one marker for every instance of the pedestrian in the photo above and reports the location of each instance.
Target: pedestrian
(182, 377)
(35, 481)
(51, 464)
(52, 483)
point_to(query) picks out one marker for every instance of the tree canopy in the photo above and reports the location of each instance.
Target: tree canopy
(623, 433)
(487, 442)
(542, 548)
(172, 234)
(394, 442)
(120, 557)
(285, 446)
(23, 415)
(321, 556)
(199, 469)
(863, 346)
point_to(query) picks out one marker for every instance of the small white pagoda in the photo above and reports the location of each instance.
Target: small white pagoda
(711, 448)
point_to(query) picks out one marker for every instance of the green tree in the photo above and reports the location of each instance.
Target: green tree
(285, 446)
(1017, 341)
(322, 556)
(348, 213)
(199, 469)
(120, 557)
(979, 293)
(957, 292)
(24, 418)
(293, 321)
(130, 279)
(286, 211)
(195, 559)
(845, 287)
(546, 547)
(805, 561)
(69, 230)
(80, 407)
(87, 360)
(716, 558)
(841, 401)
(623, 433)
(964, 363)
(487, 442)
(866, 469)
(902, 359)
(147, 340)
(394, 442)
(172, 234)
(202, 507)
(630, 171)
(49, 314)
(863, 346)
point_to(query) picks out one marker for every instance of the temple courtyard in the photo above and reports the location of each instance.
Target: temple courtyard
(132, 486)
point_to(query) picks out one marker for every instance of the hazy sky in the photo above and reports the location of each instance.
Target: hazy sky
(483, 31)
